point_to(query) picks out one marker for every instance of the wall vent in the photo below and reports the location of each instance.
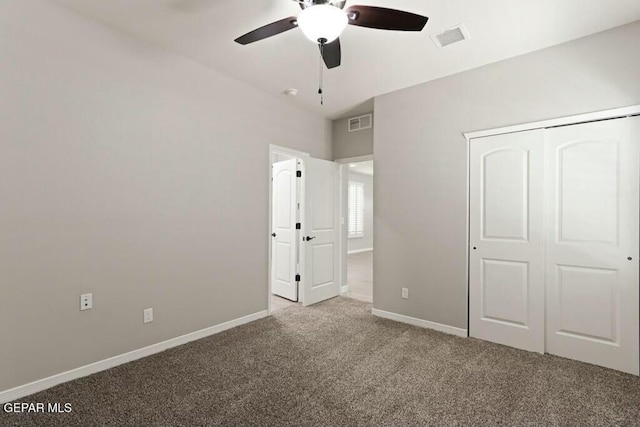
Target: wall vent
(450, 36)
(360, 123)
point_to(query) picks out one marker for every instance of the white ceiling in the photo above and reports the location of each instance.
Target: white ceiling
(374, 62)
(365, 168)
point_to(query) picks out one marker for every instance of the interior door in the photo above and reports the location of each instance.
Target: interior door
(592, 250)
(321, 227)
(284, 242)
(506, 276)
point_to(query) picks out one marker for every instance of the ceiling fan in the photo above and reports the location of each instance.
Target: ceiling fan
(322, 22)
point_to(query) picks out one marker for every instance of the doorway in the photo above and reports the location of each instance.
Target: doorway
(358, 182)
(304, 240)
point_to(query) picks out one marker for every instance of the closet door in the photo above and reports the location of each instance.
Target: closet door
(592, 242)
(506, 282)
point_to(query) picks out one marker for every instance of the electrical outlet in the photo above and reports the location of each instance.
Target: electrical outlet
(148, 315)
(405, 293)
(86, 302)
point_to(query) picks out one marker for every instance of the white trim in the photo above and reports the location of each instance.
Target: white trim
(344, 185)
(569, 120)
(92, 368)
(344, 288)
(355, 159)
(357, 251)
(421, 323)
(468, 231)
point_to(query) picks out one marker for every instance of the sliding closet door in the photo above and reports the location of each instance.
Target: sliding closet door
(506, 283)
(592, 242)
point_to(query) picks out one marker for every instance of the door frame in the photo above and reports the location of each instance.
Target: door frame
(344, 184)
(276, 149)
(615, 113)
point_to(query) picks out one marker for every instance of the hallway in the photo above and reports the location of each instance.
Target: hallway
(360, 276)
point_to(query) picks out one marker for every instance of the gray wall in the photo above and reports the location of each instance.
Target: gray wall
(279, 157)
(351, 144)
(421, 157)
(366, 241)
(131, 173)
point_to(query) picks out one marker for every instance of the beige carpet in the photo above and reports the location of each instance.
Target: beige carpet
(334, 364)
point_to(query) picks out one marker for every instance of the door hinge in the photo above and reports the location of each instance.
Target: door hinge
(297, 277)
(298, 226)
(299, 174)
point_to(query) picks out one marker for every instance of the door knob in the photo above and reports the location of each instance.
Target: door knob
(273, 234)
(309, 238)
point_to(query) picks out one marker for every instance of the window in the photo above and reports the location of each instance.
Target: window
(356, 209)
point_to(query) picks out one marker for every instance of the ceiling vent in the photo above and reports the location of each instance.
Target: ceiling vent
(450, 36)
(360, 123)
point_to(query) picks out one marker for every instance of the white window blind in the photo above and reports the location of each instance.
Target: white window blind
(356, 209)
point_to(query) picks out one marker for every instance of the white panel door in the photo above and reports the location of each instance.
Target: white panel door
(284, 242)
(320, 225)
(592, 242)
(506, 272)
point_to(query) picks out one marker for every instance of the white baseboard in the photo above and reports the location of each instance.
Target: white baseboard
(419, 322)
(357, 251)
(92, 368)
(344, 289)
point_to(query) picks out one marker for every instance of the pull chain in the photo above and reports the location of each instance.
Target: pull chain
(321, 83)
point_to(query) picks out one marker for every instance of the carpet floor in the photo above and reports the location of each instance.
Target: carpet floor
(335, 364)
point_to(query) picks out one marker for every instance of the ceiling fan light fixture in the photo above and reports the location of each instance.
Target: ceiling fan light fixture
(322, 22)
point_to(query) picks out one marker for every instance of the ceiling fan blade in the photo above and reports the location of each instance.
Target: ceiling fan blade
(331, 53)
(385, 19)
(269, 30)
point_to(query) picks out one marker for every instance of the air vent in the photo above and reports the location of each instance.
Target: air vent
(450, 36)
(360, 123)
